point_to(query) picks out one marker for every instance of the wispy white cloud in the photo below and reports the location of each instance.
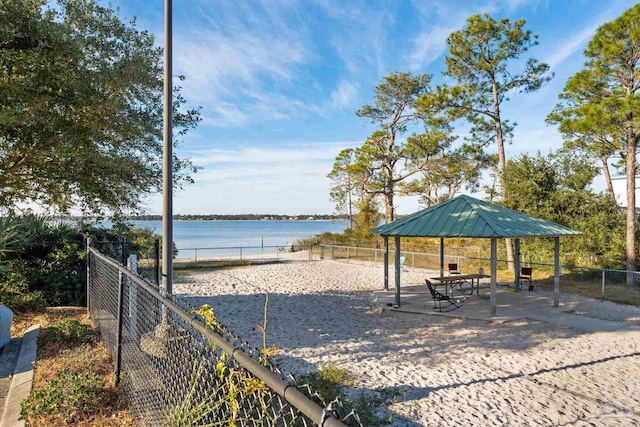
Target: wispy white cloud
(359, 31)
(242, 65)
(429, 45)
(345, 94)
(564, 50)
(300, 153)
(439, 18)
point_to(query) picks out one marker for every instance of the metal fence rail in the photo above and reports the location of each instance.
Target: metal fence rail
(175, 370)
(622, 285)
(245, 253)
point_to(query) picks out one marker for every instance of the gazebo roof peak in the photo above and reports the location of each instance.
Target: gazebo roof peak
(465, 216)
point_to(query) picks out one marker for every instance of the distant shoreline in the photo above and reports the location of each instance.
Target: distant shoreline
(194, 218)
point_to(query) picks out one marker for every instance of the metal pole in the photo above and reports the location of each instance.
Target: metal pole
(516, 282)
(89, 276)
(386, 263)
(167, 172)
(133, 300)
(494, 262)
(556, 278)
(119, 335)
(603, 275)
(442, 257)
(156, 256)
(240, 254)
(195, 256)
(123, 254)
(397, 262)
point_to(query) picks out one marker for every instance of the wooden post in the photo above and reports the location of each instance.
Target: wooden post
(441, 257)
(492, 299)
(397, 262)
(386, 263)
(556, 276)
(516, 282)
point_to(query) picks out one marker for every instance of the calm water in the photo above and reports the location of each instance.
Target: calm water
(215, 234)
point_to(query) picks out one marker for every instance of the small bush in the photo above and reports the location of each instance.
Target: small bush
(72, 397)
(69, 330)
(21, 303)
(329, 382)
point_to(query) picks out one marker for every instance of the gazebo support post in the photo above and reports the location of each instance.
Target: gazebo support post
(442, 257)
(516, 282)
(556, 276)
(397, 262)
(386, 262)
(492, 299)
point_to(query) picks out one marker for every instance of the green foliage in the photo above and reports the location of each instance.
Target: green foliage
(70, 395)
(48, 265)
(599, 109)
(347, 178)
(68, 330)
(329, 380)
(81, 111)
(481, 58)
(384, 160)
(557, 188)
(20, 302)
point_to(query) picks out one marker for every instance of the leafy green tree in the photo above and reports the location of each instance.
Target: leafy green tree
(600, 106)
(344, 179)
(387, 159)
(481, 59)
(81, 110)
(557, 188)
(449, 173)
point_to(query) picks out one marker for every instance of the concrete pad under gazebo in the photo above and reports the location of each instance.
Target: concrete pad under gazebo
(467, 217)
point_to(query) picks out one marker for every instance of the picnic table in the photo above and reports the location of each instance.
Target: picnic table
(459, 279)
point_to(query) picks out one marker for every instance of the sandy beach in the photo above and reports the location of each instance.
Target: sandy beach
(433, 371)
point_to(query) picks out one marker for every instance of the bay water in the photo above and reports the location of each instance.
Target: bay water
(228, 236)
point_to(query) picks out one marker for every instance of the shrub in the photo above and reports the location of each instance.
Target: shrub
(69, 330)
(72, 397)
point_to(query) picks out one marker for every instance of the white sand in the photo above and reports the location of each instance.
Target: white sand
(442, 371)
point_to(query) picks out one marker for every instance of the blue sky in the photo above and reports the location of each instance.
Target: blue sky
(279, 82)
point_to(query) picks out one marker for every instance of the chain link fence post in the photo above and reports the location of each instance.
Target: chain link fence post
(604, 272)
(89, 243)
(121, 280)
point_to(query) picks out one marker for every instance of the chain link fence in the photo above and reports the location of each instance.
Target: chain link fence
(180, 368)
(616, 285)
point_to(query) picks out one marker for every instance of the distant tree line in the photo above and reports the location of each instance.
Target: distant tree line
(233, 217)
(414, 150)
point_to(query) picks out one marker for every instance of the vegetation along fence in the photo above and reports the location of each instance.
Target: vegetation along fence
(180, 367)
(587, 281)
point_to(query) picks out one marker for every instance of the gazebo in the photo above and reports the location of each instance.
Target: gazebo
(467, 217)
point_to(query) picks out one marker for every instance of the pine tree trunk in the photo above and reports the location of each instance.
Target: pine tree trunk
(388, 198)
(631, 208)
(501, 164)
(607, 176)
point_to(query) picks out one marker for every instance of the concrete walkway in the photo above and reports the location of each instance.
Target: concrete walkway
(18, 359)
(510, 306)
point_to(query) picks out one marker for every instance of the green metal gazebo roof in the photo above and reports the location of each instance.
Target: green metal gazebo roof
(464, 216)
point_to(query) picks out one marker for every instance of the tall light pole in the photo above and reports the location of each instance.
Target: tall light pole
(167, 171)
